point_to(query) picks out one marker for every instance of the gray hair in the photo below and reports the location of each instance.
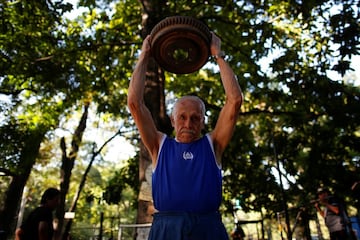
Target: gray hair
(194, 98)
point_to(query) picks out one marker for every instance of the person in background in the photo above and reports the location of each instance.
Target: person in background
(332, 213)
(186, 180)
(39, 224)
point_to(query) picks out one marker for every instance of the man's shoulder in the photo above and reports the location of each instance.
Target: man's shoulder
(42, 213)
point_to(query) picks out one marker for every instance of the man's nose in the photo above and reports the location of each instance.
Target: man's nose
(187, 122)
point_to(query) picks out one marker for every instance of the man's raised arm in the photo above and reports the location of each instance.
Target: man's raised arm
(224, 128)
(141, 114)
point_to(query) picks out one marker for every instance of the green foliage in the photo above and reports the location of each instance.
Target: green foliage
(113, 191)
(292, 108)
(126, 177)
(294, 115)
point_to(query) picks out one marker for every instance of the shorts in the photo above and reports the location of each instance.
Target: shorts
(187, 226)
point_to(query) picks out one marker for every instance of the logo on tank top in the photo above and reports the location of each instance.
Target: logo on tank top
(188, 155)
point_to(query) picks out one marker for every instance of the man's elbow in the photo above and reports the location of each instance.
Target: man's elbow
(133, 103)
(238, 100)
(18, 233)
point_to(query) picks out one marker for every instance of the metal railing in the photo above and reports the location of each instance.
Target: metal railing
(143, 226)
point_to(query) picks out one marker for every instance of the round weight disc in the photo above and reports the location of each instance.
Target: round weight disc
(181, 44)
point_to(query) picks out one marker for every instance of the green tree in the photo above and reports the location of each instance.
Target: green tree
(295, 118)
(28, 74)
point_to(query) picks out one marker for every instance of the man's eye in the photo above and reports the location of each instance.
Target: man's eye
(195, 119)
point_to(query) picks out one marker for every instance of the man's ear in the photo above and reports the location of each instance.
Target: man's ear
(172, 121)
(203, 123)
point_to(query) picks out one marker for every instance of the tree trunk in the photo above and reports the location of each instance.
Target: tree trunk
(66, 168)
(8, 215)
(10, 209)
(154, 98)
(82, 184)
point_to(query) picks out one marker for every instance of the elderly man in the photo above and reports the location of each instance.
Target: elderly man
(186, 181)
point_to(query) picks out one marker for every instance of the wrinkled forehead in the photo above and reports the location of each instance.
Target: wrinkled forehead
(189, 103)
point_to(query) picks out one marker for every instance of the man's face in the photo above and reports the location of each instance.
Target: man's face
(188, 121)
(53, 203)
(322, 195)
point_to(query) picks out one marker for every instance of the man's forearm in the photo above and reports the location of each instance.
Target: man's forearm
(332, 208)
(230, 83)
(137, 83)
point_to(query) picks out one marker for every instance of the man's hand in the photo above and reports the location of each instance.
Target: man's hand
(146, 46)
(215, 47)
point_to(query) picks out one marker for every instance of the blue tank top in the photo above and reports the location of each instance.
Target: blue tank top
(186, 177)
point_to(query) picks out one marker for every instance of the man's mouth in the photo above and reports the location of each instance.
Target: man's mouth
(186, 131)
